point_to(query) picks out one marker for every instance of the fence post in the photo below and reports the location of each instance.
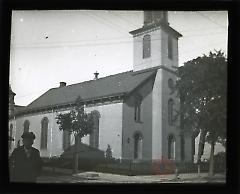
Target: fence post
(199, 169)
(176, 174)
(130, 167)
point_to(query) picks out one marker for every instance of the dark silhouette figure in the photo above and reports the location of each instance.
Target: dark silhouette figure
(25, 161)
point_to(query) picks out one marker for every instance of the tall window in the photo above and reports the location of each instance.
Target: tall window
(44, 133)
(170, 47)
(26, 126)
(146, 46)
(94, 136)
(170, 111)
(10, 136)
(66, 139)
(137, 112)
(182, 148)
(138, 138)
(171, 147)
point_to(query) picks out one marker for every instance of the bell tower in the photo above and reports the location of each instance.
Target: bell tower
(155, 46)
(156, 43)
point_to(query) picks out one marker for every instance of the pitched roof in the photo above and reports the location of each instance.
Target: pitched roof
(121, 83)
(18, 108)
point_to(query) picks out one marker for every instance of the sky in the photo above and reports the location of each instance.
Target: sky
(48, 47)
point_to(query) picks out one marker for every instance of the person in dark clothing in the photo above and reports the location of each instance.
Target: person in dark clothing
(25, 161)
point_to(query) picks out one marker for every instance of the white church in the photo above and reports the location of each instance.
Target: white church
(137, 109)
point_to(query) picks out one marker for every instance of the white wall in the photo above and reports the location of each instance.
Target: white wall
(54, 145)
(110, 130)
(164, 48)
(157, 117)
(155, 59)
(110, 127)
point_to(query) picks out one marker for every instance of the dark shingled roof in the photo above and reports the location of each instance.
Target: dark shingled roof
(121, 83)
(18, 108)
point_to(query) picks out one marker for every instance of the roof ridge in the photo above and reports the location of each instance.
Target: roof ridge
(38, 97)
(91, 89)
(19, 105)
(94, 80)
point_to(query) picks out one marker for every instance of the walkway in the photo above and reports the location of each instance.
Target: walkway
(96, 177)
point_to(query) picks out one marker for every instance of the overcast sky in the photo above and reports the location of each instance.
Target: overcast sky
(52, 46)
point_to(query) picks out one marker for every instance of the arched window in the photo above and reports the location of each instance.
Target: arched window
(138, 104)
(26, 126)
(170, 47)
(44, 133)
(170, 111)
(138, 138)
(10, 136)
(146, 46)
(66, 139)
(171, 147)
(94, 136)
(171, 84)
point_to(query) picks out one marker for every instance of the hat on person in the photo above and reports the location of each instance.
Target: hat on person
(29, 135)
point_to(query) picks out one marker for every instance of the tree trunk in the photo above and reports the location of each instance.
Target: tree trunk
(201, 144)
(75, 156)
(211, 163)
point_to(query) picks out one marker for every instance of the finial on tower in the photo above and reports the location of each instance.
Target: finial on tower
(96, 75)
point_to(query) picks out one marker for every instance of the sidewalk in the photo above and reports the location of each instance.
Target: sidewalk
(113, 178)
(97, 177)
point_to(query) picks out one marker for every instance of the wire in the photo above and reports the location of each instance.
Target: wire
(183, 53)
(122, 18)
(211, 20)
(28, 94)
(202, 29)
(107, 22)
(127, 41)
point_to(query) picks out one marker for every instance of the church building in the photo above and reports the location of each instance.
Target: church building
(136, 110)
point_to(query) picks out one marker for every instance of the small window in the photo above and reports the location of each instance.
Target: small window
(146, 46)
(170, 111)
(26, 126)
(170, 47)
(138, 104)
(44, 133)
